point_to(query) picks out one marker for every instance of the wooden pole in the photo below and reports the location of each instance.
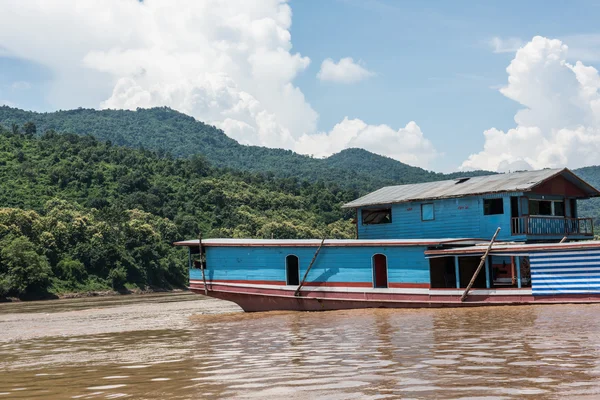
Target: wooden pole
(202, 264)
(483, 258)
(512, 271)
(563, 240)
(297, 293)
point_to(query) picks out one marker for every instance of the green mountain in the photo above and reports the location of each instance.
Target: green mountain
(166, 130)
(79, 214)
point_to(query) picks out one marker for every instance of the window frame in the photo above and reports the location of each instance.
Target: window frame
(552, 208)
(432, 212)
(497, 199)
(388, 210)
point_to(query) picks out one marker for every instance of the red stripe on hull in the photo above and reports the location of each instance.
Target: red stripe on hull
(263, 299)
(326, 284)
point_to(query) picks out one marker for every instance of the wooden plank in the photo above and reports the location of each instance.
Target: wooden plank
(297, 292)
(483, 259)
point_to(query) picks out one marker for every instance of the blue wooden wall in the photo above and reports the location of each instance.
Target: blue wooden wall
(454, 218)
(333, 264)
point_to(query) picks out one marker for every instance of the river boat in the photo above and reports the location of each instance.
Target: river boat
(422, 245)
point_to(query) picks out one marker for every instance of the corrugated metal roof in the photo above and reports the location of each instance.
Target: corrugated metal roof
(327, 243)
(503, 248)
(513, 182)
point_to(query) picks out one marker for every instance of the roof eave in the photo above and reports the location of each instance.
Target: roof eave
(592, 191)
(348, 205)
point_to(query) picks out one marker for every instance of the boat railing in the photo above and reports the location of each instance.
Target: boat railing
(534, 225)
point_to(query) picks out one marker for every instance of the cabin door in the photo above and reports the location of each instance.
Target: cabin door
(514, 213)
(380, 278)
(514, 207)
(292, 270)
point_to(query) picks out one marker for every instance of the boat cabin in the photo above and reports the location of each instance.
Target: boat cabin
(530, 206)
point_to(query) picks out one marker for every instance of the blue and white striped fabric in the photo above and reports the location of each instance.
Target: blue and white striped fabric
(565, 272)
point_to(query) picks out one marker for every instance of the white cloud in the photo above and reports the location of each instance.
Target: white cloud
(407, 144)
(225, 62)
(560, 124)
(506, 45)
(345, 71)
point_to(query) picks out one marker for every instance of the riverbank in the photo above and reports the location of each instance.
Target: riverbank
(89, 293)
(103, 315)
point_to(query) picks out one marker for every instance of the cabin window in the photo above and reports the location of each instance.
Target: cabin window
(559, 208)
(292, 270)
(493, 206)
(378, 216)
(427, 212)
(547, 207)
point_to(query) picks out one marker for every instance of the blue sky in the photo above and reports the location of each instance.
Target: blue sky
(434, 63)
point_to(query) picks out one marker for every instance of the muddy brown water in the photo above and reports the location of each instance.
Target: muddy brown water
(184, 346)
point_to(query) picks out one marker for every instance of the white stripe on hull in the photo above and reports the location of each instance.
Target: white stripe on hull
(432, 292)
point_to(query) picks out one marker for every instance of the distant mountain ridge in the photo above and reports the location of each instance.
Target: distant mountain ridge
(164, 129)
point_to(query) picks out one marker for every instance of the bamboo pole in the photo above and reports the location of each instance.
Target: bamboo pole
(466, 293)
(202, 264)
(297, 292)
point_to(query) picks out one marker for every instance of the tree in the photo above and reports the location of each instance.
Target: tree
(30, 129)
(71, 270)
(24, 269)
(118, 277)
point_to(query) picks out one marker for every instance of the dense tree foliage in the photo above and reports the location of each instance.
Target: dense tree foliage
(166, 130)
(81, 214)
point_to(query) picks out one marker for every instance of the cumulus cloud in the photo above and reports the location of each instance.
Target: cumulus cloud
(506, 45)
(560, 122)
(407, 144)
(345, 71)
(225, 62)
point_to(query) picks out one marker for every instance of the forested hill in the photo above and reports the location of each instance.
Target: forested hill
(78, 214)
(163, 129)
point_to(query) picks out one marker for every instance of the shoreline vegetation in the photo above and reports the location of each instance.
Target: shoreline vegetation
(88, 294)
(81, 215)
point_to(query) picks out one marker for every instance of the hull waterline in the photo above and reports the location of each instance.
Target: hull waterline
(256, 300)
